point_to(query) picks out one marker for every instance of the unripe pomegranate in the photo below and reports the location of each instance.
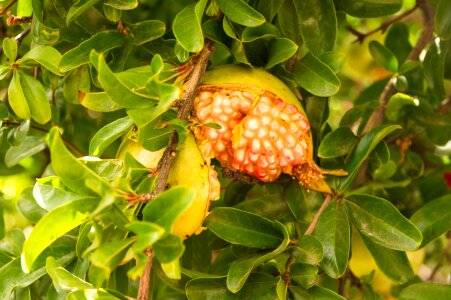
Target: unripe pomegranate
(189, 168)
(264, 130)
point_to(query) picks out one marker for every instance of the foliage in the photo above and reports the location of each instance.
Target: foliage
(78, 77)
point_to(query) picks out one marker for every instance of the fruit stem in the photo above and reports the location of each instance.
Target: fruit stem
(164, 165)
(312, 226)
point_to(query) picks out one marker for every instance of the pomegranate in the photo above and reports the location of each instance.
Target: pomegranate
(263, 129)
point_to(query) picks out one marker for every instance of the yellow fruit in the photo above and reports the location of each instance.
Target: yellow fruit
(362, 263)
(189, 168)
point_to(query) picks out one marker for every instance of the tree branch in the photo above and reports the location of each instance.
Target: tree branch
(383, 27)
(6, 7)
(164, 165)
(312, 226)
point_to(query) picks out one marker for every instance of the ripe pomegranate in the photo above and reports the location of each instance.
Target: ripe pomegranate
(264, 130)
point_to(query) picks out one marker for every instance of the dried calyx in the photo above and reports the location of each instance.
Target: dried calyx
(263, 129)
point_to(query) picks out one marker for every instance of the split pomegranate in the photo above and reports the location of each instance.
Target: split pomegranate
(263, 129)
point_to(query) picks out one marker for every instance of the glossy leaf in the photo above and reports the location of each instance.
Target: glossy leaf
(187, 27)
(63, 279)
(147, 31)
(264, 31)
(397, 103)
(10, 48)
(279, 50)
(53, 225)
(108, 134)
(74, 174)
(339, 142)
(423, 291)
(50, 193)
(383, 56)
(100, 42)
(78, 8)
(380, 221)
(243, 228)
(318, 24)
(17, 98)
(168, 248)
(122, 4)
(241, 268)
(29, 147)
(110, 254)
(314, 293)
(147, 234)
(99, 101)
(36, 98)
(168, 206)
(433, 219)
(335, 60)
(315, 76)
(46, 56)
(240, 12)
(29, 207)
(208, 288)
(369, 8)
(443, 19)
(392, 263)
(333, 231)
(304, 274)
(363, 149)
(309, 250)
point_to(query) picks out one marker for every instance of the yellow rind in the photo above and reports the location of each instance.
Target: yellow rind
(190, 169)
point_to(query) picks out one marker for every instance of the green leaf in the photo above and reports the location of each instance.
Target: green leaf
(397, 104)
(369, 8)
(74, 174)
(10, 48)
(24, 8)
(118, 92)
(147, 234)
(383, 56)
(77, 83)
(279, 50)
(240, 12)
(243, 228)
(315, 76)
(111, 13)
(110, 254)
(363, 149)
(314, 293)
(54, 225)
(264, 31)
(304, 274)
(90, 294)
(333, 232)
(426, 291)
(309, 250)
(100, 42)
(46, 56)
(122, 4)
(187, 27)
(208, 288)
(297, 199)
(29, 147)
(108, 134)
(78, 8)
(380, 221)
(147, 31)
(433, 219)
(17, 98)
(169, 248)
(50, 193)
(240, 269)
(18, 134)
(168, 206)
(339, 142)
(392, 263)
(36, 98)
(317, 24)
(443, 19)
(99, 101)
(154, 139)
(63, 279)
(13, 276)
(335, 60)
(29, 207)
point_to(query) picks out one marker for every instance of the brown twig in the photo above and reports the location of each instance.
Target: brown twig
(312, 226)
(19, 37)
(355, 281)
(66, 142)
(5, 8)
(383, 27)
(13, 20)
(164, 164)
(143, 293)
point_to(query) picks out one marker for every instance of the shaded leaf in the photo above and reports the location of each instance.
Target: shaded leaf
(383, 56)
(279, 50)
(63, 279)
(29, 147)
(443, 19)
(339, 142)
(369, 8)
(426, 291)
